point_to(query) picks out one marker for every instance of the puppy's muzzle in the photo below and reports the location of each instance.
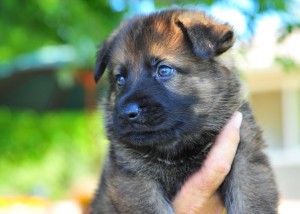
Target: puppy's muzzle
(141, 114)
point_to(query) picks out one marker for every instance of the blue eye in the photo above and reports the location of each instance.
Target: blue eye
(165, 71)
(120, 80)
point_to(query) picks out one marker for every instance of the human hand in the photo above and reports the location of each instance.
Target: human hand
(198, 194)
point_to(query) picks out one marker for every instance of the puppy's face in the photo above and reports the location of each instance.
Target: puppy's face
(165, 82)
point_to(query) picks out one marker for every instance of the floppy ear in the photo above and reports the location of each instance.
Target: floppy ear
(102, 59)
(103, 55)
(208, 37)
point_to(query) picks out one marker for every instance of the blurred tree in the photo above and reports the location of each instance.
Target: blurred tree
(28, 25)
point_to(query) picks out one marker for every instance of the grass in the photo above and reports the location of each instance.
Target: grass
(45, 153)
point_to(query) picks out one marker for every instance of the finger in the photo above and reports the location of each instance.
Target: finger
(213, 205)
(218, 162)
(202, 185)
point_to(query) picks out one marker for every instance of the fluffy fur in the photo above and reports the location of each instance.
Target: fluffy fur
(161, 127)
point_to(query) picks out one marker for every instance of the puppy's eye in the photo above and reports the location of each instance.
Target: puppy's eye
(120, 80)
(165, 71)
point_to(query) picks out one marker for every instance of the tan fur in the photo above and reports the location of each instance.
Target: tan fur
(161, 127)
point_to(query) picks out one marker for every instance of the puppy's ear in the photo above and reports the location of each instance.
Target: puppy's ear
(102, 59)
(104, 52)
(208, 37)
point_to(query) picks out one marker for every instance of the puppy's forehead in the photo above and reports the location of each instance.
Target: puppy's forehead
(155, 36)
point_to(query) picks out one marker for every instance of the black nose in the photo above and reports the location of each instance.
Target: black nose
(130, 111)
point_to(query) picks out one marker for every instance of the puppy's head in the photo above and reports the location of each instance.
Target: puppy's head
(166, 84)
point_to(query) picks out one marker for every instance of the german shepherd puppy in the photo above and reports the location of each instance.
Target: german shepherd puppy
(169, 97)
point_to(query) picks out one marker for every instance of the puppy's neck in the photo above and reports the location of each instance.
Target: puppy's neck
(176, 153)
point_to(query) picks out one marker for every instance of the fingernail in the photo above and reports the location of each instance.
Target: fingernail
(237, 119)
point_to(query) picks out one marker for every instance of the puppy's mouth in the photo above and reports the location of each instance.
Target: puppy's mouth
(145, 136)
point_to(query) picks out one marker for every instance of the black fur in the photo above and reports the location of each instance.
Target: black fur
(162, 127)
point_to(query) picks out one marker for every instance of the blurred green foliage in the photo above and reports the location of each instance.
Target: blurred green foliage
(287, 64)
(28, 25)
(45, 153)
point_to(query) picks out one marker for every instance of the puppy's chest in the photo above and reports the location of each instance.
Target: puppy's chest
(170, 174)
(173, 176)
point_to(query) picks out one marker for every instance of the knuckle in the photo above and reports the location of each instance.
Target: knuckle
(222, 168)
